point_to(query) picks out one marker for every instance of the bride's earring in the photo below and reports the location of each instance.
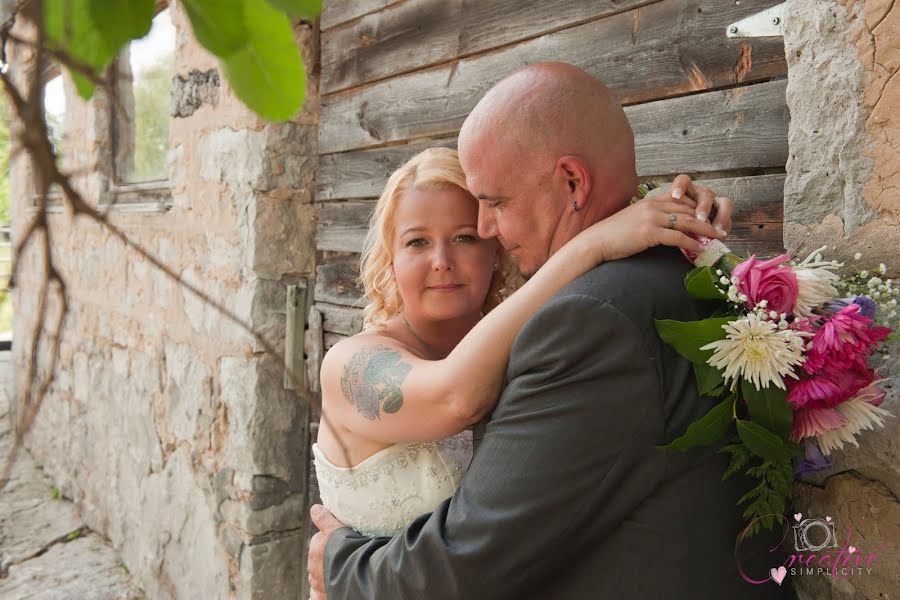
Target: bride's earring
(575, 206)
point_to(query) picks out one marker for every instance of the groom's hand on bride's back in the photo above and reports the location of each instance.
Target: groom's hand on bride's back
(327, 524)
(717, 209)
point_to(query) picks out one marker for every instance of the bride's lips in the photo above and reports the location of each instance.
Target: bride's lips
(447, 287)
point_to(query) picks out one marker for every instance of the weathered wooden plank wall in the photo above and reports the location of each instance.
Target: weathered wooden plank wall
(399, 76)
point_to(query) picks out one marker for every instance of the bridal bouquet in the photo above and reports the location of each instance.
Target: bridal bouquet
(787, 351)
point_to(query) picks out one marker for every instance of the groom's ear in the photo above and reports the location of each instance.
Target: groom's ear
(576, 177)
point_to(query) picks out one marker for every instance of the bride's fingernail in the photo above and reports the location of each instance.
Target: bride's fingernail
(721, 231)
(701, 216)
(676, 193)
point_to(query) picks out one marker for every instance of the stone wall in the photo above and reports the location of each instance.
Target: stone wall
(167, 424)
(843, 191)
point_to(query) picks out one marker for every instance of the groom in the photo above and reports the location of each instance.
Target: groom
(568, 496)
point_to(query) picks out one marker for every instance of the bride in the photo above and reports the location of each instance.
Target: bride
(398, 397)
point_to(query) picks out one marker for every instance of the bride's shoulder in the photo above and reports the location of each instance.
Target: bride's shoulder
(366, 343)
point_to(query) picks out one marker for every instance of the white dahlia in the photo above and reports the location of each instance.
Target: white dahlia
(755, 349)
(815, 283)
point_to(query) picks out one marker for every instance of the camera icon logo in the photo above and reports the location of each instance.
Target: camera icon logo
(812, 535)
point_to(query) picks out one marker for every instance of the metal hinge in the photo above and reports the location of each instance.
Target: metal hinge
(295, 312)
(768, 23)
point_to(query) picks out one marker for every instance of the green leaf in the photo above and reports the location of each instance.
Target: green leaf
(707, 430)
(120, 21)
(762, 442)
(68, 28)
(740, 456)
(701, 284)
(709, 379)
(267, 74)
(306, 9)
(687, 337)
(219, 25)
(769, 408)
(393, 400)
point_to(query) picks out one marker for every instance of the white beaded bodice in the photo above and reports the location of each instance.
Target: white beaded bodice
(382, 494)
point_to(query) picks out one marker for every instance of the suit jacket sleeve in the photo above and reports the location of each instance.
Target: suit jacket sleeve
(567, 456)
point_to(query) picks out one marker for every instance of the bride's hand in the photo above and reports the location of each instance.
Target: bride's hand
(650, 222)
(706, 204)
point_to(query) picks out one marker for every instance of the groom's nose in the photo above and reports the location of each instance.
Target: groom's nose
(487, 226)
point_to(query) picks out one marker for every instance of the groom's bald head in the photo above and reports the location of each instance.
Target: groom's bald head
(542, 126)
(552, 109)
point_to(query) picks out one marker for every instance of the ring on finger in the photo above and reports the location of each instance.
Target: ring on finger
(672, 218)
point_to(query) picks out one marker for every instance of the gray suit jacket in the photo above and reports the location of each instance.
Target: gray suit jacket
(567, 495)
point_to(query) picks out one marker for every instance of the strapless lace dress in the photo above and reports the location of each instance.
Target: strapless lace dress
(382, 494)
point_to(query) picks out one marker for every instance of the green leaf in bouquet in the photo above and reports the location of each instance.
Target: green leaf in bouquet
(771, 494)
(769, 408)
(707, 430)
(267, 74)
(701, 283)
(306, 9)
(687, 337)
(762, 442)
(740, 456)
(709, 380)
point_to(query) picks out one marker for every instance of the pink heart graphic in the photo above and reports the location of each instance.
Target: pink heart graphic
(828, 519)
(778, 574)
(798, 516)
(851, 549)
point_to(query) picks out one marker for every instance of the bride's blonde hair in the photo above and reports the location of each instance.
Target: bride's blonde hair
(434, 169)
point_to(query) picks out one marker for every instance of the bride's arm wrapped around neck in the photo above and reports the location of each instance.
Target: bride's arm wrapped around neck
(375, 387)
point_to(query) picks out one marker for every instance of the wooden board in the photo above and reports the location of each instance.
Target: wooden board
(335, 12)
(661, 50)
(337, 281)
(414, 34)
(340, 319)
(342, 226)
(739, 128)
(757, 228)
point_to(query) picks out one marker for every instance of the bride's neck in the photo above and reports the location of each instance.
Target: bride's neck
(439, 337)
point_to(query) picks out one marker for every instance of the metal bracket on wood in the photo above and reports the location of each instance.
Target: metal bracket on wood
(295, 311)
(767, 23)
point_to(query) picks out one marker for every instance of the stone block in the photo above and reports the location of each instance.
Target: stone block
(237, 384)
(869, 514)
(188, 389)
(275, 570)
(828, 166)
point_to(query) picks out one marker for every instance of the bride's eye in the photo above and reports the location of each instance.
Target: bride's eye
(465, 238)
(416, 243)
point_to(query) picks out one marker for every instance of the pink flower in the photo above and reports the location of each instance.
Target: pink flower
(769, 280)
(833, 427)
(836, 366)
(810, 422)
(846, 336)
(830, 386)
(873, 394)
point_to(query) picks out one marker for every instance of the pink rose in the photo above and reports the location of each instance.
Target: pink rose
(769, 280)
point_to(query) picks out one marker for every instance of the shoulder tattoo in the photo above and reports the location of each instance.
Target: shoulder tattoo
(372, 379)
